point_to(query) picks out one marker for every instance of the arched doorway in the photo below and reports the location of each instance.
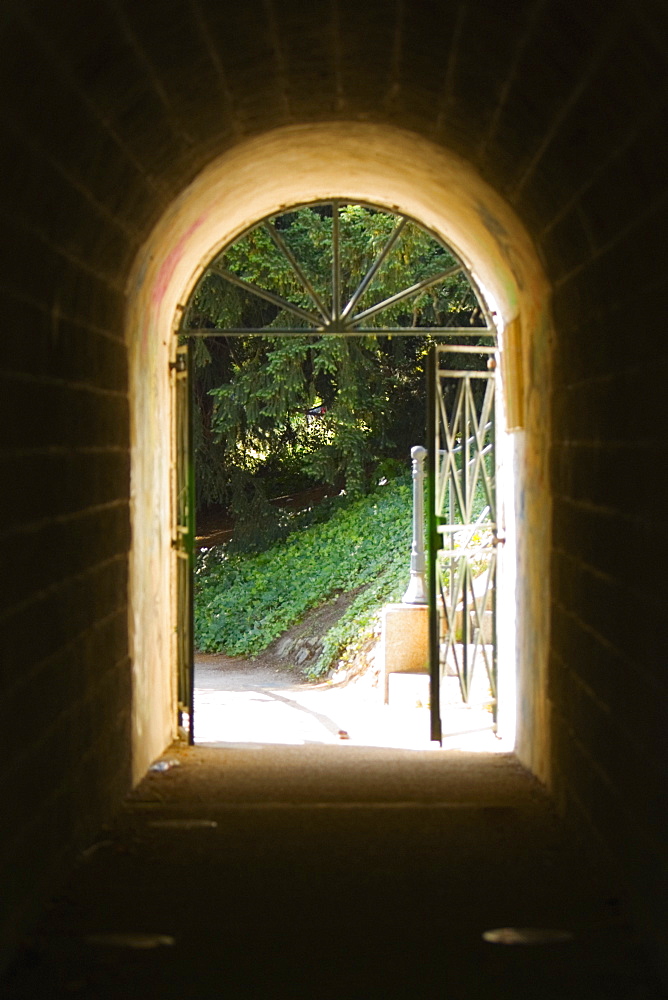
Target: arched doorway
(379, 283)
(401, 172)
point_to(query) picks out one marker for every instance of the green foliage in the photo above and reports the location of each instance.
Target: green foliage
(253, 393)
(360, 621)
(244, 601)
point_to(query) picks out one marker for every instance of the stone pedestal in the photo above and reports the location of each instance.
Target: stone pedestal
(404, 641)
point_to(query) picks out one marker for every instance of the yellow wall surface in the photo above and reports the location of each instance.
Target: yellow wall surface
(403, 172)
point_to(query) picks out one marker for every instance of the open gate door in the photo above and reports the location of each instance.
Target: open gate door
(183, 540)
(462, 528)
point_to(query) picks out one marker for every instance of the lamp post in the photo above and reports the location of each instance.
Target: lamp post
(417, 588)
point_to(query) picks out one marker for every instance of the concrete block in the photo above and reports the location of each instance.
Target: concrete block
(404, 640)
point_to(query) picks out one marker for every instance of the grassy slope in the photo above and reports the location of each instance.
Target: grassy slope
(243, 602)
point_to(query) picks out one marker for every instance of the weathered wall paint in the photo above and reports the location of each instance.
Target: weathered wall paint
(400, 171)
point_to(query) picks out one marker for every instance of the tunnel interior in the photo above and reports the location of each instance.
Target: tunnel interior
(283, 168)
(136, 144)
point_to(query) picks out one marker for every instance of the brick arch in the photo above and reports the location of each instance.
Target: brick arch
(382, 165)
(109, 111)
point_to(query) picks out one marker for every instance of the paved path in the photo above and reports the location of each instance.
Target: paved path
(244, 705)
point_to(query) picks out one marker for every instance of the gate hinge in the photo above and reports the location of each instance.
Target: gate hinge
(180, 365)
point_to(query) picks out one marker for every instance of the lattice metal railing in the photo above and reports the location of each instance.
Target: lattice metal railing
(463, 527)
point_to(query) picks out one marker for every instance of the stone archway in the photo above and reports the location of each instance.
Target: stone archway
(403, 172)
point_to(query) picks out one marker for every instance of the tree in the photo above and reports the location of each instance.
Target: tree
(255, 437)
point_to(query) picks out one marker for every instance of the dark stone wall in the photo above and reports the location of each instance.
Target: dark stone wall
(108, 109)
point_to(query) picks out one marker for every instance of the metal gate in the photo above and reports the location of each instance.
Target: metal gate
(462, 528)
(183, 540)
(300, 299)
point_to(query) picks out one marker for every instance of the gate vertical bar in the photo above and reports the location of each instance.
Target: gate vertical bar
(433, 546)
(336, 264)
(190, 608)
(466, 516)
(183, 541)
(494, 577)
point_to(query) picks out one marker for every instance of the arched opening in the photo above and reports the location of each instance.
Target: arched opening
(389, 168)
(358, 320)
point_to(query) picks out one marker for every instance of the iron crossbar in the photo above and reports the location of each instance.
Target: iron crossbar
(465, 349)
(319, 331)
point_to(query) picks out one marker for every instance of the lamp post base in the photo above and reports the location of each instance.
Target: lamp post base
(416, 592)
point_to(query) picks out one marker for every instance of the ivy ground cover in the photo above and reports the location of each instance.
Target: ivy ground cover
(245, 601)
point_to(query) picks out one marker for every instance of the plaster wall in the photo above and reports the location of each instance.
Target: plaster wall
(401, 171)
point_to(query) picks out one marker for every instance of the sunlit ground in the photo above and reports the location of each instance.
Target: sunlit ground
(258, 709)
